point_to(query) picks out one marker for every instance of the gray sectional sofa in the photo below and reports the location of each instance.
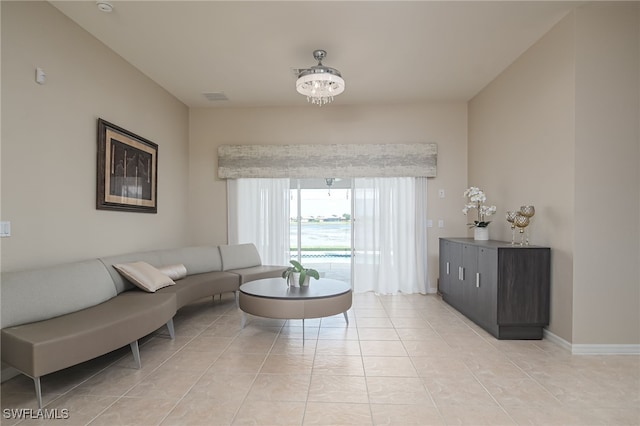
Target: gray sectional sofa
(56, 317)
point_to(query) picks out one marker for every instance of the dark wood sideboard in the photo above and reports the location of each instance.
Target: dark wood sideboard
(503, 288)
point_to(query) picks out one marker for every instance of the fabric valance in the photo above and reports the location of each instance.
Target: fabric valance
(314, 161)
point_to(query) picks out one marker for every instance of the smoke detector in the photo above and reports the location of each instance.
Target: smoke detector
(104, 6)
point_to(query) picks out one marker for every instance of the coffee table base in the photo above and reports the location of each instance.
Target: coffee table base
(244, 321)
(302, 308)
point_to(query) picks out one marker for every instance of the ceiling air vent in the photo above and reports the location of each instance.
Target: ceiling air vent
(215, 96)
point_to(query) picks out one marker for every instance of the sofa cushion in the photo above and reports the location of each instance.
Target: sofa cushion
(259, 272)
(122, 284)
(239, 256)
(144, 276)
(40, 294)
(175, 272)
(45, 346)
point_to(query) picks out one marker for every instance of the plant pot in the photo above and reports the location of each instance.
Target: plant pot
(294, 280)
(481, 234)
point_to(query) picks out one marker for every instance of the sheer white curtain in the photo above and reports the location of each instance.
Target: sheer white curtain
(258, 212)
(390, 239)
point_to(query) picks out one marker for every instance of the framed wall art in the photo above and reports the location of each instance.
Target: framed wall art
(127, 171)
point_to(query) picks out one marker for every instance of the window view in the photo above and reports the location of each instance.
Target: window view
(320, 225)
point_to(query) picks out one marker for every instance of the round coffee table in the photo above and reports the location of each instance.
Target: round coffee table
(272, 298)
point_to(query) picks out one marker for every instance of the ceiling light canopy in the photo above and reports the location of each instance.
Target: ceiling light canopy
(319, 83)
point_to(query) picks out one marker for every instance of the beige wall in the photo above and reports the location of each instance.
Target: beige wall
(607, 279)
(521, 152)
(444, 124)
(49, 143)
(558, 129)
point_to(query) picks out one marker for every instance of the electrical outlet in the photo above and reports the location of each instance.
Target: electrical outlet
(429, 223)
(440, 223)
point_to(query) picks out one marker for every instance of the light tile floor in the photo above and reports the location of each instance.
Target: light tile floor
(403, 360)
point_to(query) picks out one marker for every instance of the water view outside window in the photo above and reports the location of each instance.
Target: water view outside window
(325, 230)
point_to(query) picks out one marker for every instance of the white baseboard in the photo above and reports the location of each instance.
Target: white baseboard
(579, 349)
(554, 338)
(582, 349)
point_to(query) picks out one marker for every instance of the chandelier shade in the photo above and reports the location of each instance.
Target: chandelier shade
(320, 83)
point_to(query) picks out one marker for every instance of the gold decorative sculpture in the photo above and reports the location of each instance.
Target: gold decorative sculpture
(511, 217)
(521, 219)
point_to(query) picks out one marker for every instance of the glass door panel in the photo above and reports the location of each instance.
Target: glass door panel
(321, 226)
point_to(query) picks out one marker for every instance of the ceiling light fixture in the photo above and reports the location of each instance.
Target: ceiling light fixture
(330, 182)
(104, 6)
(319, 83)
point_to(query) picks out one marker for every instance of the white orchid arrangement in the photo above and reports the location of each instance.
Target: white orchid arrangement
(476, 201)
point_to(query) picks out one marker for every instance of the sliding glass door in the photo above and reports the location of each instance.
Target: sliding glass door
(320, 225)
(311, 220)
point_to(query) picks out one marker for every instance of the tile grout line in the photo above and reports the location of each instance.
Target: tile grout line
(199, 377)
(244, 399)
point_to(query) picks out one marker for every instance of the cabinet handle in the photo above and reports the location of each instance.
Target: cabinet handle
(460, 273)
(478, 279)
(447, 268)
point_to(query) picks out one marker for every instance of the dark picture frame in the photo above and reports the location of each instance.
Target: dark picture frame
(127, 178)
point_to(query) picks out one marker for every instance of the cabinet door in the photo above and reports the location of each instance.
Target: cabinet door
(468, 280)
(452, 285)
(524, 285)
(487, 288)
(445, 268)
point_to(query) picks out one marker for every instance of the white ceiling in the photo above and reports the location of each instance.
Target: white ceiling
(387, 51)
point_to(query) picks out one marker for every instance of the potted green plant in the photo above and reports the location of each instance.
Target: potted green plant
(298, 275)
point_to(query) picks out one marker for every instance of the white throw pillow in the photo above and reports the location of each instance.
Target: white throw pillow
(175, 272)
(144, 276)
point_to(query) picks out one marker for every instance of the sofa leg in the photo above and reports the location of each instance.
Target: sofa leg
(36, 382)
(237, 294)
(172, 331)
(136, 353)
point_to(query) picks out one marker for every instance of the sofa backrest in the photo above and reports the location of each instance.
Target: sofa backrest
(197, 260)
(40, 294)
(238, 256)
